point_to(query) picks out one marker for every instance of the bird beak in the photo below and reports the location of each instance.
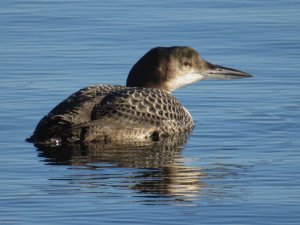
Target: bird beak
(223, 73)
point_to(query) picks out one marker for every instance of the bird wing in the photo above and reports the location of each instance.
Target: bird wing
(136, 113)
(74, 110)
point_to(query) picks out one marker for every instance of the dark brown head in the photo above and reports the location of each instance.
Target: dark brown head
(169, 68)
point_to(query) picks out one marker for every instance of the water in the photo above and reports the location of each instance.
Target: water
(239, 166)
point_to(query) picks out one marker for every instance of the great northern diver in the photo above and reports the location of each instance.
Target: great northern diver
(144, 109)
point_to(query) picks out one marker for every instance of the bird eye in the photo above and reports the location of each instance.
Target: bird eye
(187, 64)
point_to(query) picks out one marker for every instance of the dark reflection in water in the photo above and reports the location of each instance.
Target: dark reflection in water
(155, 171)
(129, 155)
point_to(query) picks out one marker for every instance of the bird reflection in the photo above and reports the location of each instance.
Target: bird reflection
(155, 172)
(152, 154)
(174, 180)
(160, 170)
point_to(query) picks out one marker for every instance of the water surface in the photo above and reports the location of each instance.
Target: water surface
(241, 163)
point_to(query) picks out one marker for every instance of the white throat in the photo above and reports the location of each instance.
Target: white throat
(183, 80)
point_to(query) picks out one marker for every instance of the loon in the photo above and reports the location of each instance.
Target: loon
(144, 109)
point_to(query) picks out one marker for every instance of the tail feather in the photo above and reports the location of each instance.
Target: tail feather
(30, 139)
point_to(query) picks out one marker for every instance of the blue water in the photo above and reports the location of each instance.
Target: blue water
(239, 166)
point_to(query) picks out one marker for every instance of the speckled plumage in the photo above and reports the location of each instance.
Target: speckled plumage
(137, 113)
(113, 112)
(74, 110)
